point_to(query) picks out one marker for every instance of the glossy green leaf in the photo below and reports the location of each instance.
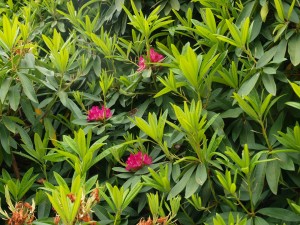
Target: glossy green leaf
(175, 4)
(273, 172)
(269, 83)
(246, 107)
(260, 221)
(28, 87)
(5, 85)
(266, 57)
(4, 138)
(182, 183)
(119, 4)
(248, 85)
(279, 9)
(264, 11)
(14, 97)
(280, 213)
(294, 53)
(296, 88)
(201, 174)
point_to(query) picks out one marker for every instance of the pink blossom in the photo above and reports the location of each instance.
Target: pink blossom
(97, 114)
(155, 57)
(142, 64)
(137, 161)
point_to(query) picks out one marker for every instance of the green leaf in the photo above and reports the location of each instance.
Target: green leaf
(191, 186)
(245, 31)
(4, 138)
(61, 182)
(175, 4)
(296, 88)
(210, 20)
(291, 10)
(14, 97)
(246, 107)
(279, 9)
(131, 195)
(279, 57)
(281, 214)
(260, 221)
(272, 174)
(294, 104)
(9, 123)
(228, 40)
(264, 11)
(63, 96)
(293, 49)
(269, 83)
(29, 60)
(26, 183)
(248, 85)
(182, 183)
(266, 57)
(24, 136)
(119, 4)
(235, 33)
(259, 179)
(201, 174)
(27, 87)
(5, 85)
(231, 113)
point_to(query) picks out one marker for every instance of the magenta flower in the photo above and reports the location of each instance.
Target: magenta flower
(97, 114)
(155, 57)
(137, 161)
(142, 64)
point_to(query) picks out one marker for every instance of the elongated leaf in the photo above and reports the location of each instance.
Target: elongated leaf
(119, 4)
(175, 4)
(272, 174)
(14, 97)
(266, 57)
(130, 196)
(281, 214)
(296, 88)
(201, 174)
(191, 186)
(235, 33)
(28, 87)
(248, 85)
(260, 221)
(4, 138)
(269, 83)
(279, 9)
(246, 107)
(245, 31)
(63, 96)
(293, 49)
(210, 20)
(264, 11)
(181, 184)
(5, 85)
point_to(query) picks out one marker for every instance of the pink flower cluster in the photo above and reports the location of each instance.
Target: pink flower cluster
(154, 58)
(137, 161)
(97, 114)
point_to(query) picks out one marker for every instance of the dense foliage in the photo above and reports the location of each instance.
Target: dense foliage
(150, 112)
